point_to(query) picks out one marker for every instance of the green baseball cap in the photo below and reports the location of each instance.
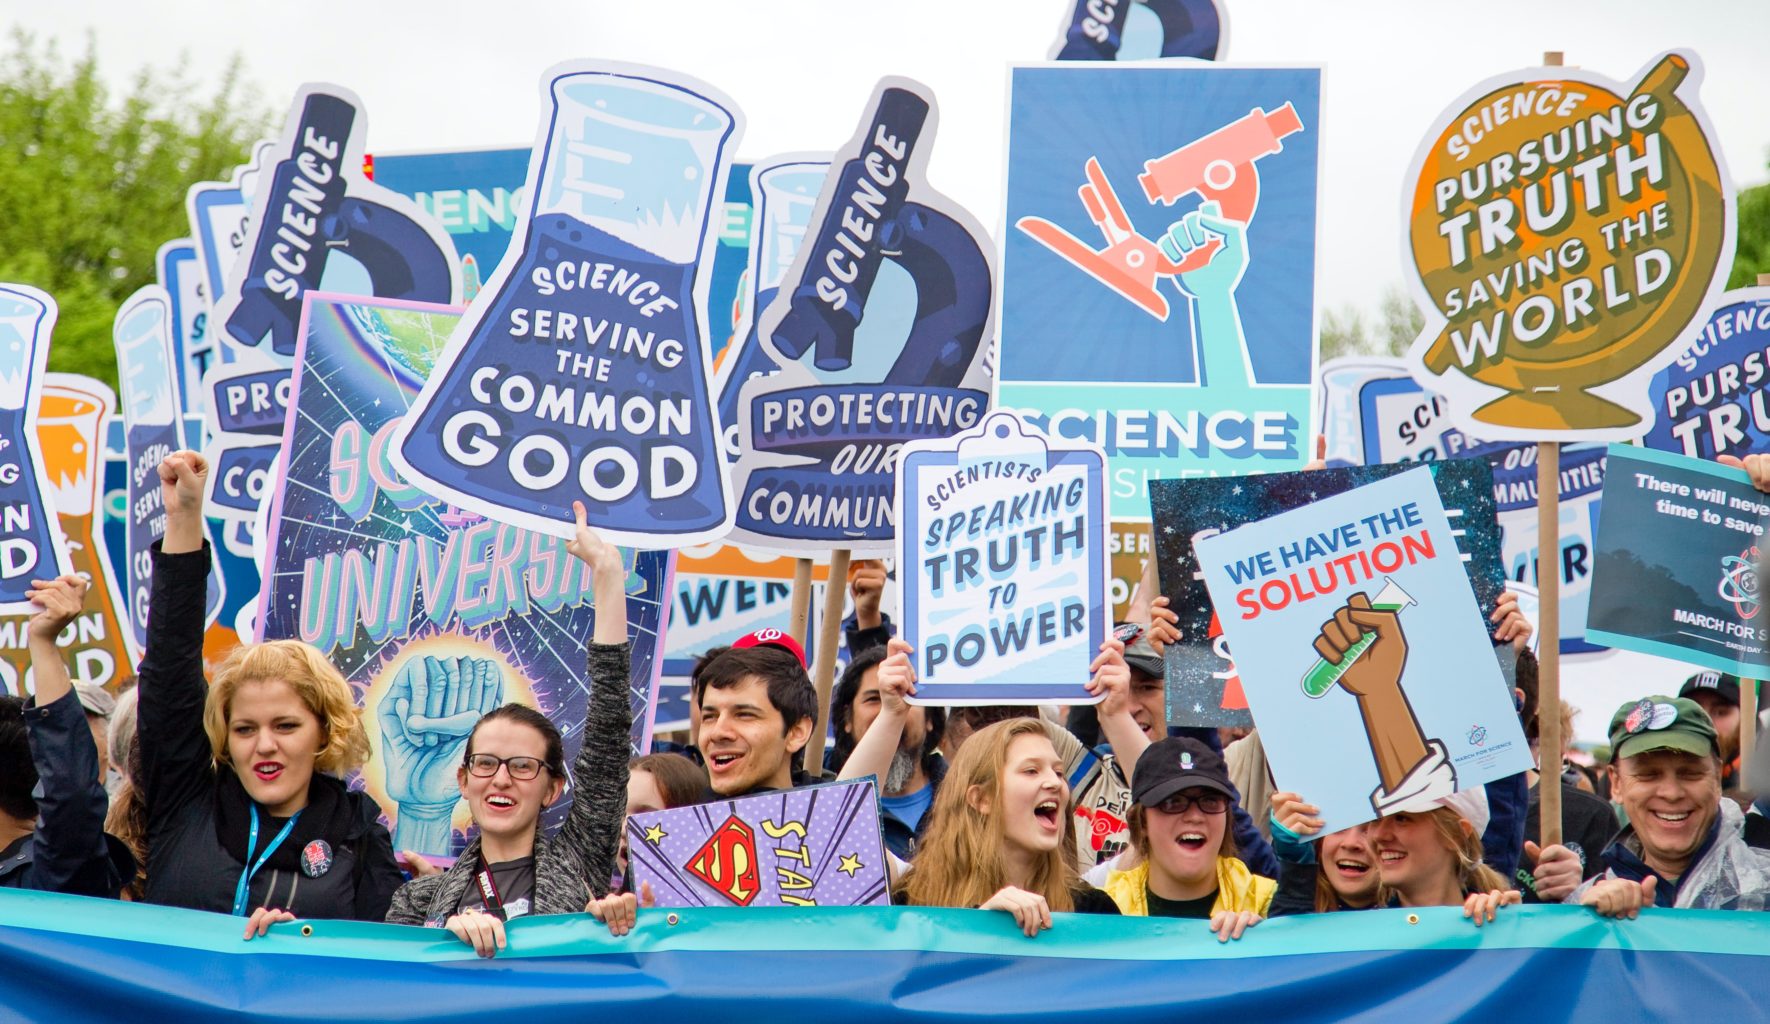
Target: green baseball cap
(1661, 723)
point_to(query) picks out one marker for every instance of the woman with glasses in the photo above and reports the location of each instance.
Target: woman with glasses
(1187, 865)
(515, 768)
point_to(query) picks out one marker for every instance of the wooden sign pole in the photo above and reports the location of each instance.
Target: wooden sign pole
(1550, 743)
(799, 613)
(829, 637)
(1748, 688)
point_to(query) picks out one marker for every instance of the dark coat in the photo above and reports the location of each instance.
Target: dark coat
(69, 852)
(187, 864)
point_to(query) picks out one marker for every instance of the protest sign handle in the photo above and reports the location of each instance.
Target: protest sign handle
(1548, 588)
(829, 634)
(1748, 692)
(799, 614)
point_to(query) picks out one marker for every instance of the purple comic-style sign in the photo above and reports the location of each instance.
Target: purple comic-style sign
(816, 846)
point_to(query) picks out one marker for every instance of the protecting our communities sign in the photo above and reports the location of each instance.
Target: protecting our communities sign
(1566, 230)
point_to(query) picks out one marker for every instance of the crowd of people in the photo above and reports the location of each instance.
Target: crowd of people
(232, 796)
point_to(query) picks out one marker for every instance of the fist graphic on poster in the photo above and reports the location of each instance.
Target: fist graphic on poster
(425, 719)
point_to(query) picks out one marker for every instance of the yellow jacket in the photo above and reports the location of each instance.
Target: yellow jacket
(1237, 889)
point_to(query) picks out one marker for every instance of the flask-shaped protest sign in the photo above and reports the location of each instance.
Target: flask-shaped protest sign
(29, 547)
(582, 373)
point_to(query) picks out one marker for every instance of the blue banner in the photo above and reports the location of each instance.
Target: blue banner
(74, 960)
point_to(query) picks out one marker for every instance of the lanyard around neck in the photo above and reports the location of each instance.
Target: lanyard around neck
(240, 890)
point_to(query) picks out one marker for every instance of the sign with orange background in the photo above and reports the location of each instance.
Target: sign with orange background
(1566, 230)
(70, 423)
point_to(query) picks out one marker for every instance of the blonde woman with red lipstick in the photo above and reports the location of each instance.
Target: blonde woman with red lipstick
(245, 810)
(514, 769)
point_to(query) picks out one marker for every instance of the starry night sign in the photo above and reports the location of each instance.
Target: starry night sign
(435, 615)
(1203, 686)
(815, 846)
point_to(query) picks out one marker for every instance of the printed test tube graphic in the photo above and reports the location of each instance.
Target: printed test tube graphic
(635, 158)
(144, 358)
(788, 198)
(22, 320)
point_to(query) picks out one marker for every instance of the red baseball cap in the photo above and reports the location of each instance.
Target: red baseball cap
(773, 638)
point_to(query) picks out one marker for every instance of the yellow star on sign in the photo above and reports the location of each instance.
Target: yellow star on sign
(850, 864)
(655, 834)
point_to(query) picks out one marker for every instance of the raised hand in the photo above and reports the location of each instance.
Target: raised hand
(897, 678)
(183, 475)
(590, 548)
(1379, 668)
(1291, 811)
(425, 719)
(866, 584)
(60, 600)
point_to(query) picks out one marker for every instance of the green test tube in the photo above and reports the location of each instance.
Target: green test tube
(1322, 676)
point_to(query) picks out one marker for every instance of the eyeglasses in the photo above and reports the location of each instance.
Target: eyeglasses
(1209, 803)
(522, 768)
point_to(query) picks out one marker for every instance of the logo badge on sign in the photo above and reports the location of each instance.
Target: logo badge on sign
(727, 862)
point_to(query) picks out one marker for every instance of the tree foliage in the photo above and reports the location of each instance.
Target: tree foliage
(91, 184)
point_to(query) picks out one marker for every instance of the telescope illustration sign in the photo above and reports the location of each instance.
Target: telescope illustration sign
(1215, 226)
(1566, 231)
(1365, 593)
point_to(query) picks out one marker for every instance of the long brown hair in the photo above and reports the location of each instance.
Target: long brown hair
(681, 782)
(127, 817)
(1472, 874)
(960, 862)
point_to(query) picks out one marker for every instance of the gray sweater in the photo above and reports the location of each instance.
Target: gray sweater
(576, 863)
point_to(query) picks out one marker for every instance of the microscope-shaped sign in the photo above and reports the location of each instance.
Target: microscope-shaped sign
(880, 333)
(1363, 595)
(1138, 340)
(582, 372)
(30, 546)
(316, 221)
(1143, 30)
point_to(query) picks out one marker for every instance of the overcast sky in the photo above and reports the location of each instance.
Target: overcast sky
(447, 74)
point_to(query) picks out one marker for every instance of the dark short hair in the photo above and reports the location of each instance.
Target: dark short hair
(525, 715)
(681, 782)
(1525, 679)
(789, 688)
(848, 691)
(18, 773)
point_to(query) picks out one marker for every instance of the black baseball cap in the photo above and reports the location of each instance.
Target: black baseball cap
(1720, 684)
(1177, 763)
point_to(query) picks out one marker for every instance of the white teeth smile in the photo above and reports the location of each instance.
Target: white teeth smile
(1664, 816)
(1192, 837)
(1388, 857)
(500, 801)
(1351, 865)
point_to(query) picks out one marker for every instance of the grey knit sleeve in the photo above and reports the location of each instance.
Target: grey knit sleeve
(592, 830)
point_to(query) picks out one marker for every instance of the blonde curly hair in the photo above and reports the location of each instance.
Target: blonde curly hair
(320, 686)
